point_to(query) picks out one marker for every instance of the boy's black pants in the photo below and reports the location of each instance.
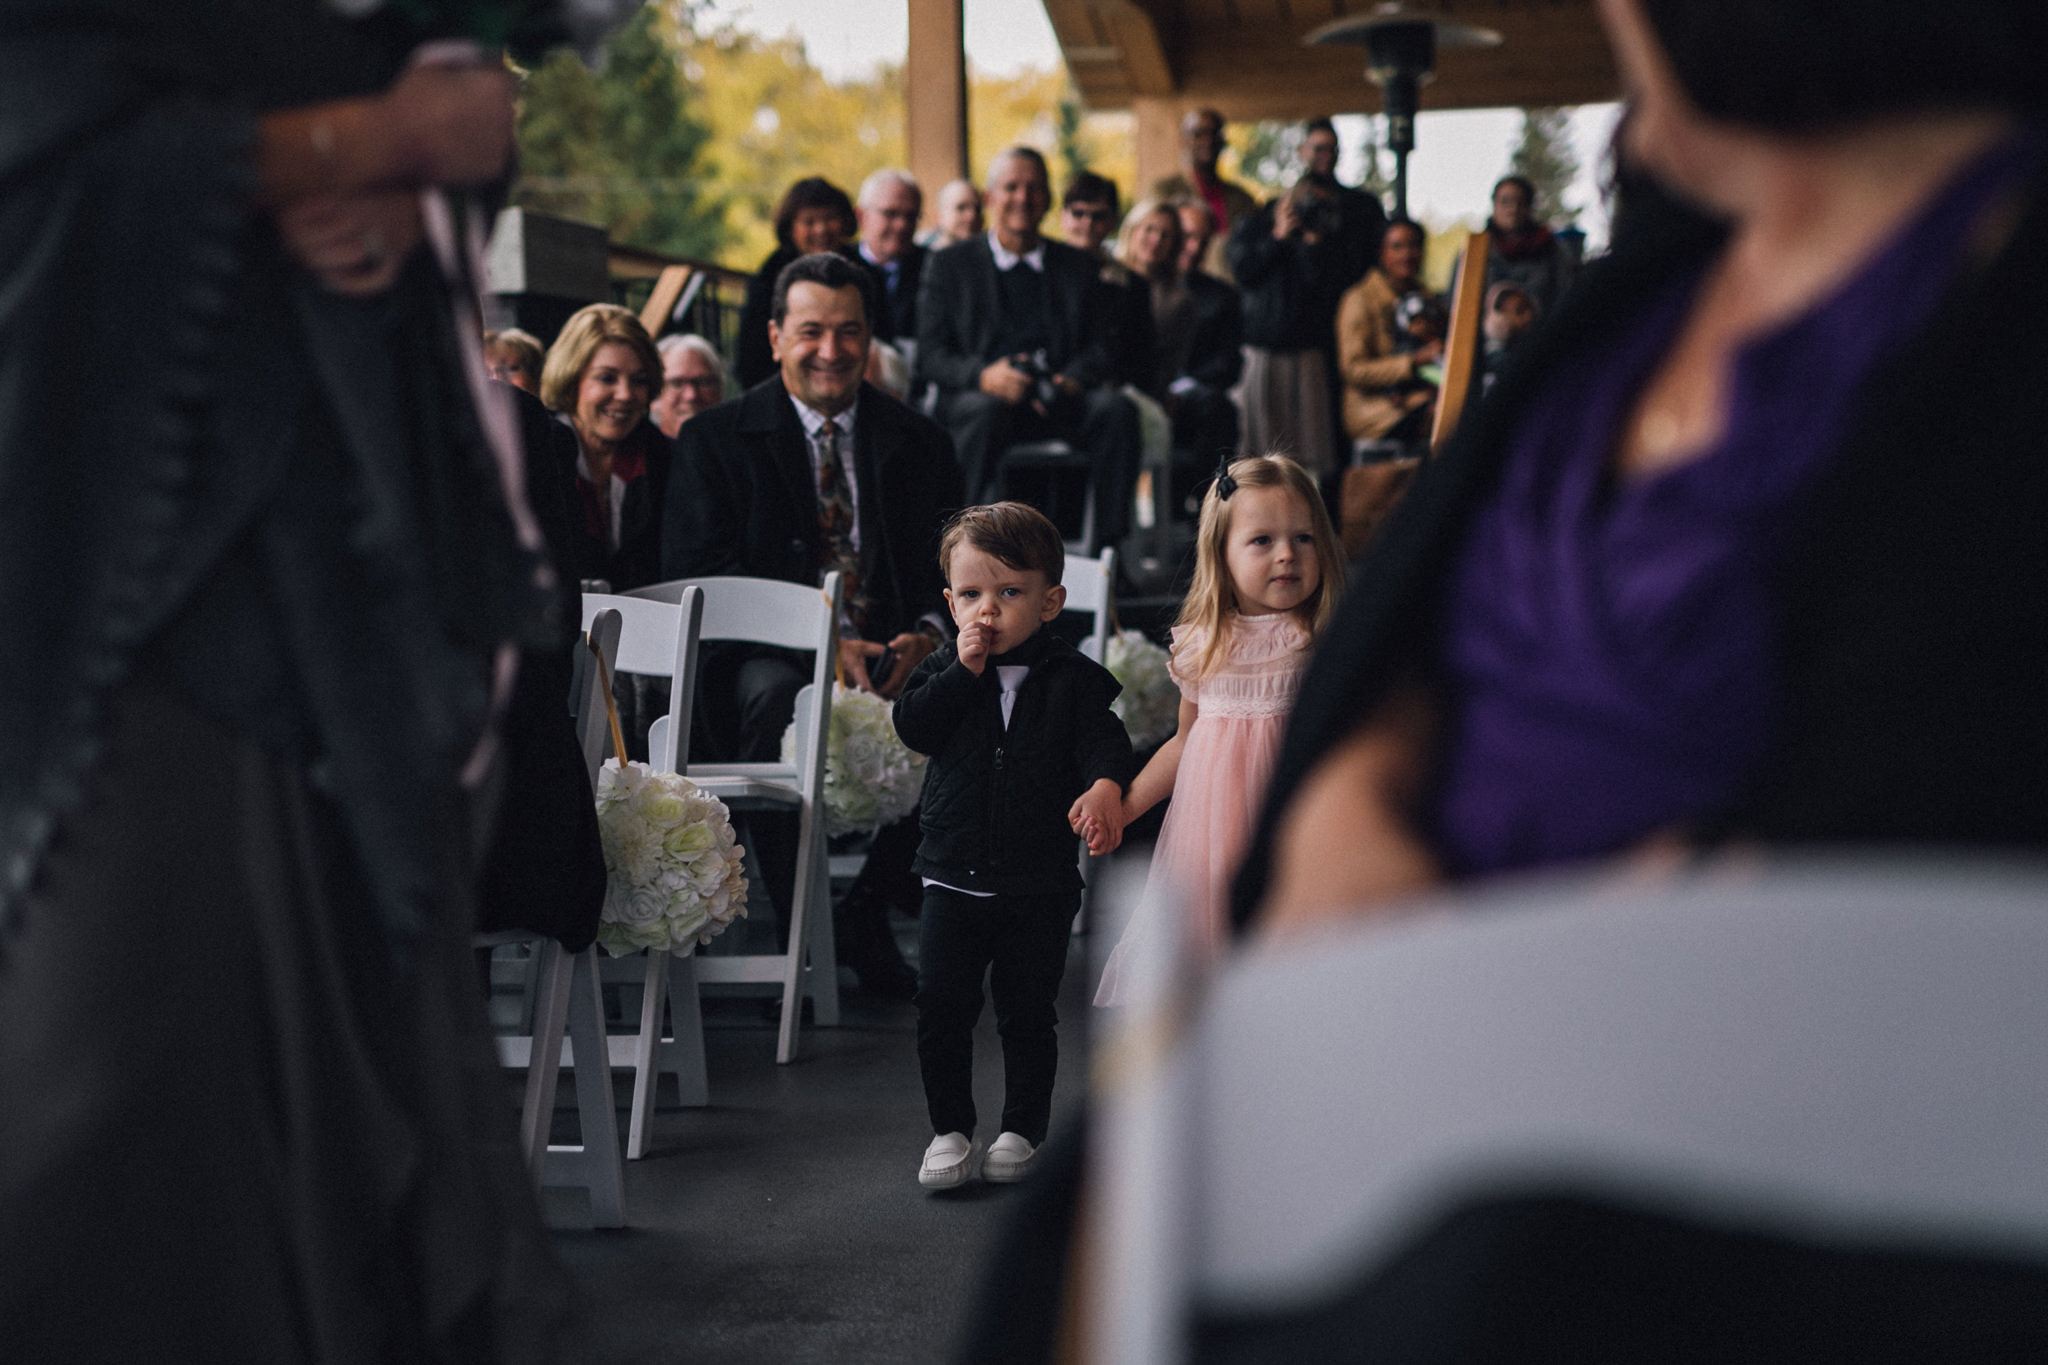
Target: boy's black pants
(1022, 942)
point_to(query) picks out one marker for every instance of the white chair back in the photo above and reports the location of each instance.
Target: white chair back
(1828, 1051)
(1091, 587)
(790, 616)
(658, 638)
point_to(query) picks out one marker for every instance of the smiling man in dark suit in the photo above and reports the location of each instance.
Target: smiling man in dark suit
(810, 471)
(996, 306)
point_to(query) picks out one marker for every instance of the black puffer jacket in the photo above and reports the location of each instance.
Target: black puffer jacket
(995, 804)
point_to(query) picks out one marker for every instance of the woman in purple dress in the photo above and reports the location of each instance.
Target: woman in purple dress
(1751, 546)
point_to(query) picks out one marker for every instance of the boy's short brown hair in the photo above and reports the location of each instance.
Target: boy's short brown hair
(1018, 535)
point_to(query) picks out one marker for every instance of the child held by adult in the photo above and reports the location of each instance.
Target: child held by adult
(1024, 752)
(1268, 571)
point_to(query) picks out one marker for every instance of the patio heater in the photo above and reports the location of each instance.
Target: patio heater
(1400, 56)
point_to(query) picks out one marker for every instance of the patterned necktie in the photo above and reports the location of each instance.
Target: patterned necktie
(835, 528)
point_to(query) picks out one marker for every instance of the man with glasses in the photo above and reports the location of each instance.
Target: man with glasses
(692, 379)
(887, 211)
(1089, 213)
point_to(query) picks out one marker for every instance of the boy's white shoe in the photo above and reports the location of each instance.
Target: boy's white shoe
(947, 1162)
(1007, 1157)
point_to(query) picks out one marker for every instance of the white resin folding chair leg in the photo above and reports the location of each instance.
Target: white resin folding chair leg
(596, 1165)
(684, 1054)
(647, 1053)
(544, 1054)
(671, 982)
(810, 847)
(822, 962)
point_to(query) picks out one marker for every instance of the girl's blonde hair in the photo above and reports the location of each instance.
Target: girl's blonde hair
(1212, 598)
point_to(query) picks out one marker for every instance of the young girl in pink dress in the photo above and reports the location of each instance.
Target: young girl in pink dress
(1268, 570)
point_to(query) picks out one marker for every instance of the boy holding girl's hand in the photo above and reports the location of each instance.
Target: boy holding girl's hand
(1025, 752)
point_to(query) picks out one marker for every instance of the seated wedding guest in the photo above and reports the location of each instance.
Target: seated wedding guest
(251, 1110)
(1288, 263)
(1387, 397)
(1088, 214)
(811, 471)
(513, 357)
(814, 215)
(1698, 570)
(1015, 332)
(887, 211)
(1199, 326)
(956, 216)
(1197, 231)
(692, 379)
(599, 380)
(1523, 250)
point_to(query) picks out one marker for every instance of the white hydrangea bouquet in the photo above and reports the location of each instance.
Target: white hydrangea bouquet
(1149, 705)
(676, 874)
(872, 778)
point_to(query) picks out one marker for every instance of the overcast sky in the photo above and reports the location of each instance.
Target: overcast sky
(1458, 155)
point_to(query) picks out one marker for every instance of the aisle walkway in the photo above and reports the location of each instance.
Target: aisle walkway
(784, 1223)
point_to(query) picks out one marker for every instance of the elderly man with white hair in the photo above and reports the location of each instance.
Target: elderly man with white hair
(887, 210)
(692, 379)
(1015, 331)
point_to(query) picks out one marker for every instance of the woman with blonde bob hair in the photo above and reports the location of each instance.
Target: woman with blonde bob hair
(600, 379)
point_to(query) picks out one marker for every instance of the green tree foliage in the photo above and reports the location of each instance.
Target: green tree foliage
(1268, 153)
(774, 119)
(690, 135)
(623, 147)
(1545, 154)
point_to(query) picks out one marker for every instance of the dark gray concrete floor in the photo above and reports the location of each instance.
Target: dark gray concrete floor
(784, 1222)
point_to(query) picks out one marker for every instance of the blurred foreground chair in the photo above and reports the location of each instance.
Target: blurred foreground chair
(1795, 1114)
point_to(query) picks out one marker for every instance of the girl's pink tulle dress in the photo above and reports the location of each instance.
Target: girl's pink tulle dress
(1224, 765)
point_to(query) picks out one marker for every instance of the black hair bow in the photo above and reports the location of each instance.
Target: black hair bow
(1225, 485)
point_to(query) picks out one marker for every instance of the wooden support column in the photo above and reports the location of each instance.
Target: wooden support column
(1158, 138)
(935, 96)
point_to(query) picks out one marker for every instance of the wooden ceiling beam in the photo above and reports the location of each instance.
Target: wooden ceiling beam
(1246, 58)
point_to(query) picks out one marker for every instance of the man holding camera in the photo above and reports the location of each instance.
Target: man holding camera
(1015, 332)
(1290, 264)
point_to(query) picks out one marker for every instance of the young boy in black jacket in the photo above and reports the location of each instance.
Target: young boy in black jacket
(1025, 753)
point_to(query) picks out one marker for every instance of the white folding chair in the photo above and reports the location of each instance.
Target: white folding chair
(1091, 587)
(791, 616)
(567, 996)
(659, 639)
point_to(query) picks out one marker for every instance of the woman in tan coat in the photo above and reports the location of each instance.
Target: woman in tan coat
(1385, 397)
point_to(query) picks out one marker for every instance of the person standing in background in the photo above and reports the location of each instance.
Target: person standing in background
(1523, 251)
(1360, 216)
(1201, 144)
(1287, 257)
